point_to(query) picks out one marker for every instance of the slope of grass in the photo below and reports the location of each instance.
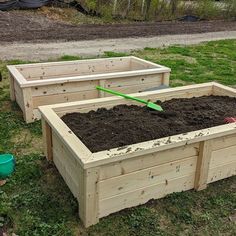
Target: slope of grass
(36, 201)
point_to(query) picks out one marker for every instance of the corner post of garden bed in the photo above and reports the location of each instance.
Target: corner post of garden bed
(47, 140)
(166, 79)
(203, 165)
(89, 197)
(12, 90)
(28, 104)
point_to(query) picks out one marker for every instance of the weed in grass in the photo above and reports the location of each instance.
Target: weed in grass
(69, 58)
(115, 54)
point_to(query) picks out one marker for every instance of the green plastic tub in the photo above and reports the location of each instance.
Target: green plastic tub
(7, 165)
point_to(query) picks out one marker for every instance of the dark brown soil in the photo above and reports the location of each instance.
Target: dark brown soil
(32, 27)
(123, 125)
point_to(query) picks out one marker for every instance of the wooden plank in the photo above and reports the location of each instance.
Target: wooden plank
(223, 142)
(203, 165)
(61, 63)
(28, 105)
(64, 88)
(60, 80)
(89, 211)
(62, 98)
(223, 156)
(166, 79)
(74, 68)
(150, 63)
(62, 168)
(222, 172)
(146, 161)
(143, 195)
(222, 90)
(136, 80)
(146, 177)
(47, 140)
(36, 114)
(102, 83)
(12, 89)
(134, 88)
(135, 65)
(19, 96)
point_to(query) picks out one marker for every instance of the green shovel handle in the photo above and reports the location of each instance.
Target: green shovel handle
(121, 94)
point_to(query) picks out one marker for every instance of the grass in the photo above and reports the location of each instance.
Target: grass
(36, 201)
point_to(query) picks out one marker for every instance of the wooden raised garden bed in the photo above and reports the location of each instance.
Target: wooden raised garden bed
(34, 85)
(111, 180)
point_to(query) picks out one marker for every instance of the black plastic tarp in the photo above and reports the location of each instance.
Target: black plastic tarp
(24, 4)
(8, 5)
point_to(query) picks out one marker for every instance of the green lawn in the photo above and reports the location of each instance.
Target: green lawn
(36, 201)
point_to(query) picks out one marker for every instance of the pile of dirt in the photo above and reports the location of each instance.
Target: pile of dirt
(124, 125)
(29, 26)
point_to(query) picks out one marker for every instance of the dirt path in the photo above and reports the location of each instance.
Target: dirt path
(45, 51)
(29, 26)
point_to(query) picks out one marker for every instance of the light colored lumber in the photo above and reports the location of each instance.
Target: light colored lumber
(150, 63)
(62, 168)
(64, 88)
(127, 166)
(94, 77)
(143, 195)
(89, 209)
(62, 98)
(223, 142)
(47, 140)
(166, 79)
(203, 165)
(12, 89)
(222, 90)
(19, 96)
(134, 80)
(223, 156)
(222, 172)
(146, 177)
(28, 105)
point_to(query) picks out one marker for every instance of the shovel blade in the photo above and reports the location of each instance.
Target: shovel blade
(154, 106)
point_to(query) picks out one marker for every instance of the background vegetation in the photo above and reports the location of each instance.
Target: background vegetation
(161, 9)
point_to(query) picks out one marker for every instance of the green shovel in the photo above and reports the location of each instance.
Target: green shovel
(148, 104)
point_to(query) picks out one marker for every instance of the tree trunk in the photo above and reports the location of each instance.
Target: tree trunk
(148, 9)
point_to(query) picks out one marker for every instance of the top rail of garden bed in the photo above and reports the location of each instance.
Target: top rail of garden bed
(52, 114)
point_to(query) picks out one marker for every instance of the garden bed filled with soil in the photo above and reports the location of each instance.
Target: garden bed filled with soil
(114, 154)
(124, 125)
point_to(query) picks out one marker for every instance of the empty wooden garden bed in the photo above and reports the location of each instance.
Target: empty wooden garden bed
(34, 85)
(111, 180)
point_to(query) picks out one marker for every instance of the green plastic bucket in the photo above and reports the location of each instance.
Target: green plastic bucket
(7, 165)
